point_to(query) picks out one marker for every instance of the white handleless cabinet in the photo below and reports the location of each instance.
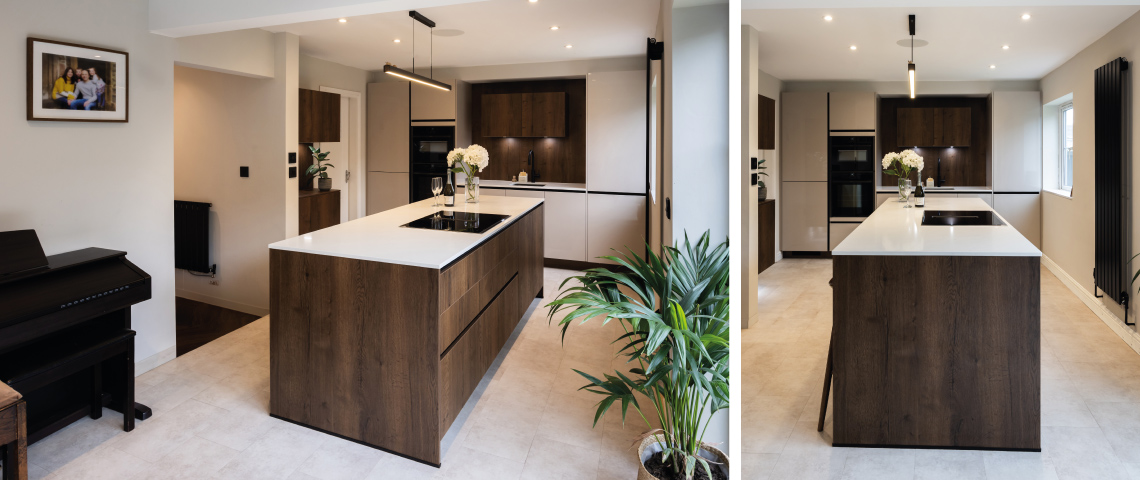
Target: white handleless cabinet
(430, 103)
(494, 192)
(386, 191)
(388, 133)
(565, 214)
(524, 193)
(803, 137)
(615, 131)
(853, 110)
(840, 231)
(1023, 212)
(986, 197)
(614, 222)
(1017, 141)
(803, 217)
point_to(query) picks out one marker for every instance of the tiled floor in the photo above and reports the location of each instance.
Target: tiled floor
(1090, 395)
(211, 420)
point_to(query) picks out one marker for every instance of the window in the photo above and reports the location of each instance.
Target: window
(1065, 176)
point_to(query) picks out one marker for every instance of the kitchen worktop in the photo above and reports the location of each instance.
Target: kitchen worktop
(573, 187)
(894, 230)
(895, 189)
(380, 237)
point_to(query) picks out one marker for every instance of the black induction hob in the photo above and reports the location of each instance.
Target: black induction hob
(452, 221)
(960, 217)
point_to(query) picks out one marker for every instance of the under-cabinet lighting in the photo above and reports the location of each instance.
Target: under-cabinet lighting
(406, 75)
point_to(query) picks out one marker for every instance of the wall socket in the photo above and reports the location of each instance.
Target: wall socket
(214, 282)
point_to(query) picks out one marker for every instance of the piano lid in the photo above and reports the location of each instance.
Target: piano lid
(20, 251)
(92, 277)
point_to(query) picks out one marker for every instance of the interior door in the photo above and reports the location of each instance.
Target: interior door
(340, 155)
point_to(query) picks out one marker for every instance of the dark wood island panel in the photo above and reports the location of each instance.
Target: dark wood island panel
(386, 354)
(937, 351)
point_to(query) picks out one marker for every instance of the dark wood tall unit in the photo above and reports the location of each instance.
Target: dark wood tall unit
(767, 124)
(388, 354)
(317, 210)
(318, 116)
(767, 234)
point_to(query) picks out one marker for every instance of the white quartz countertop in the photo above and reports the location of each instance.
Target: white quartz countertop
(380, 238)
(895, 189)
(894, 230)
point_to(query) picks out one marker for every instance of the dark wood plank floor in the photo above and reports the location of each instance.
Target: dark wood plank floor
(201, 323)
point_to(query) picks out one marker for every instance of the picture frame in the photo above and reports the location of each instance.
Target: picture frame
(68, 82)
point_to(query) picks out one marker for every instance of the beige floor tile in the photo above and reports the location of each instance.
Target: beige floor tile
(949, 465)
(162, 434)
(75, 440)
(551, 459)
(570, 420)
(879, 464)
(1081, 453)
(104, 463)
(196, 458)
(767, 422)
(1018, 466)
(467, 464)
(341, 459)
(276, 454)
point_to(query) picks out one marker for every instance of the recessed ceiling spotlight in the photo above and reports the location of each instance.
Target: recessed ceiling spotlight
(827, 18)
(1005, 47)
(533, 1)
(98, 56)
(853, 47)
(554, 27)
(569, 46)
(343, 20)
(1025, 17)
(993, 67)
(396, 41)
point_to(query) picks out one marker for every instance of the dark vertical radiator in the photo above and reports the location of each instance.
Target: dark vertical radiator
(192, 236)
(1112, 180)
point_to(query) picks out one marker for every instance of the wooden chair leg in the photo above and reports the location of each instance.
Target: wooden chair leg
(826, 391)
(16, 453)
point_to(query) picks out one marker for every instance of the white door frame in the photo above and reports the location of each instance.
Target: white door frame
(357, 165)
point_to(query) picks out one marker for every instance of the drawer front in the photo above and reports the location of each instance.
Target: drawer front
(463, 366)
(456, 318)
(458, 279)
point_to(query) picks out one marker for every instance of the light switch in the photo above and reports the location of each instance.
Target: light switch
(244, 172)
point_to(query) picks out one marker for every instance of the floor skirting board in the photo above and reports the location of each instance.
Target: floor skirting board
(153, 361)
(1130, 336)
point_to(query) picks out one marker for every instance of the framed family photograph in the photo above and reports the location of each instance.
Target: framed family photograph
(76, 83)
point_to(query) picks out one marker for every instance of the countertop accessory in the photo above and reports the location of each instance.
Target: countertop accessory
(469, 161)
(522, 177)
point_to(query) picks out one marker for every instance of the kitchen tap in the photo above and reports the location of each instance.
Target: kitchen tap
(533, 175)
(941, 181)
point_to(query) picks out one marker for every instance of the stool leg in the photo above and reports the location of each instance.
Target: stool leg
(826, 391)
(16, 453)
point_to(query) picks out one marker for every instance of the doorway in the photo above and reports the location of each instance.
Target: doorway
(348, 154)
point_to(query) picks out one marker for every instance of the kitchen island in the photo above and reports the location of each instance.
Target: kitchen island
(936, 335)
(380, 332)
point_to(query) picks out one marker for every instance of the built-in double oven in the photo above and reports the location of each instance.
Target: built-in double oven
(851, 175)
(430, 145)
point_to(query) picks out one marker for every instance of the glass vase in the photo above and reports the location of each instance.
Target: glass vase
(472, 189)
(904, 190)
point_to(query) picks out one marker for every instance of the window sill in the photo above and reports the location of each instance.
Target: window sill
(1065, 194)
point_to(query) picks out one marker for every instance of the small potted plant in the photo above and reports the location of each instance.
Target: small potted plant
(673, 309)
(318, 169)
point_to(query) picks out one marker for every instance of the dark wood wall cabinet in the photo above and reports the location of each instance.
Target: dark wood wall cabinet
(767, 124)
(388, 354)
(938, 352)
(318, 116)
(317, 210)
(954, 129)
(767, 234)
(548, 117)
(528, 114)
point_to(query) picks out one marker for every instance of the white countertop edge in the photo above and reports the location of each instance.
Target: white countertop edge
(932, 254)
(485, 236)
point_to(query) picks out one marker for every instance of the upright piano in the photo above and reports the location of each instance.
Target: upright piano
(66, 341)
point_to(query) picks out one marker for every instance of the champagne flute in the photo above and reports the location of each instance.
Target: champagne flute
(436, 188)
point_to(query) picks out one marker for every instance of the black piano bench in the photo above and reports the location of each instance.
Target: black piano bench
(13, 435)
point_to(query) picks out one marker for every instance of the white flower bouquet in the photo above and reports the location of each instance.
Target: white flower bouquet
(902, 164)
(469, 161)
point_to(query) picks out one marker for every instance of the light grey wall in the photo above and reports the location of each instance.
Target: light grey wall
(699, 75)
(1068, 224)
(104, 185)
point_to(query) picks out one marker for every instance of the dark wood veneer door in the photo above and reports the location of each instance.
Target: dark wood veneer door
(496, 115)
(767, 124)
(520, 115)
(549, 114)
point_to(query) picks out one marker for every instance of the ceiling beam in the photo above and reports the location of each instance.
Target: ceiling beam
(180, 18)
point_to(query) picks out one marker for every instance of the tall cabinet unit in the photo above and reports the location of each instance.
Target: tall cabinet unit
(1017, 160)
(803, 171)
(389, 140)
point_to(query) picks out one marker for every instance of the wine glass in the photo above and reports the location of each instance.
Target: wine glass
(436, 188)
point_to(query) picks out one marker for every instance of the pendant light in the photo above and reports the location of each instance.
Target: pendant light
(412, 76)
(910, 64)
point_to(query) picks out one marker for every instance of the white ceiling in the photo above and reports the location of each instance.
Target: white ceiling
(797, 44)
(497, 32)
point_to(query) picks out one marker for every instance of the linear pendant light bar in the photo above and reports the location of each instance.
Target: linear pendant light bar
(406, 75)
(412, 76)
(910, 72)
(910, 64)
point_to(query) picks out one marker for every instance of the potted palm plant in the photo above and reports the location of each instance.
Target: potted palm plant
(317, 169)
(673, 309)
(763, 193)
